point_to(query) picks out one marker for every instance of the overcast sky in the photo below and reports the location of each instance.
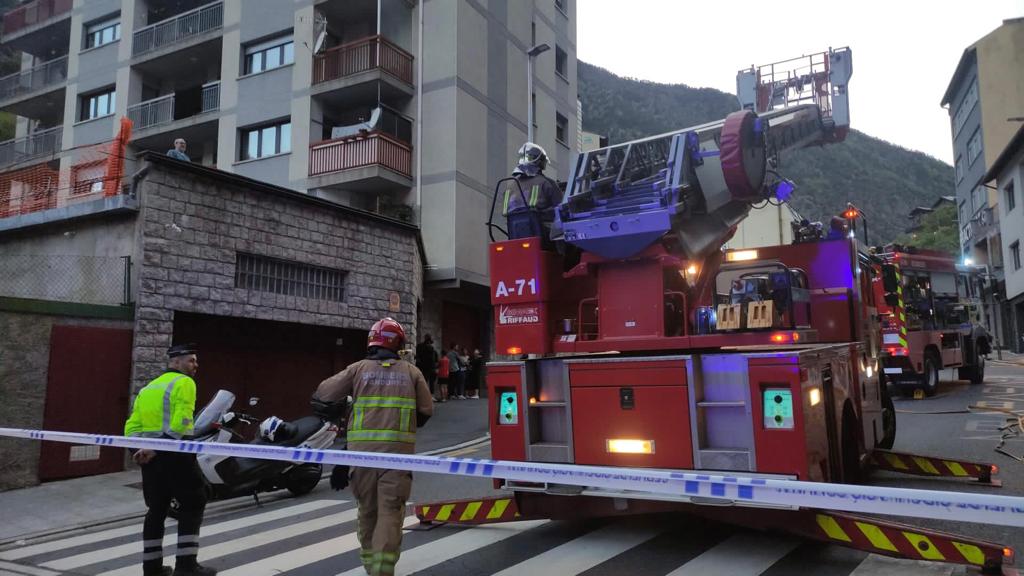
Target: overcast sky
(904, 51)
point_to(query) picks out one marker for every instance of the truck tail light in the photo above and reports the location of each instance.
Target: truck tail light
(513, 350)
(900, 351)
(499, 248)
(526, 244)
(628, 446)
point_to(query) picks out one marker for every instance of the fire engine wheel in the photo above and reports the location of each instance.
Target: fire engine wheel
(930, 377)
(975, 373)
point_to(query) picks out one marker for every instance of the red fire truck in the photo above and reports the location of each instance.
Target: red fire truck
(927, 319)
(635, 341)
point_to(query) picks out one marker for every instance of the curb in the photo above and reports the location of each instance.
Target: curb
(213, 508)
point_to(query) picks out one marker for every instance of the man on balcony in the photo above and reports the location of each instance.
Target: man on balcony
(178, 152)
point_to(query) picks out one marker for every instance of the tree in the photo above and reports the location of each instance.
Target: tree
(938, 231)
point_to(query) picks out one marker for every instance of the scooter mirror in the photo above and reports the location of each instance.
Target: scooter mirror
(254, 401)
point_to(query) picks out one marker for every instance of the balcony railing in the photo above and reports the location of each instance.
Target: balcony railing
(161, 110)
(152, 112)
(179, 28)
(985, 222)
(47, 74)
(211, 97)
(360, 56)
(369, 149)
(34, 13)
(42, 143)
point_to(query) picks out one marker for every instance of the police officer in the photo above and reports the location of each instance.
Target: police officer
(386, 391)
(535, 204)
(164, 409)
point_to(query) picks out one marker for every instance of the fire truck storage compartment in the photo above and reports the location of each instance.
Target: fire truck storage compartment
(505, 410)
(631, 412)
(778, 415)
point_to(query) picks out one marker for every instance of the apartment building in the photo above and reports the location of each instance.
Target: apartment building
(410, 110)
(1007, 175)
(985, 92)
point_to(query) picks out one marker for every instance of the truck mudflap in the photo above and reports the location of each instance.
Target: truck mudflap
(873, 535)
(937, 467)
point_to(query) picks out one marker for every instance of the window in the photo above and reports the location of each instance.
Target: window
(277, 276)
(974, 148)
(959, 169)
(268, 55)
(533, 33)
(561, 62)
(98, 104)
(978, 199)
(266, 140)
(560, 4)
(561, 128)
(966, 105)
(963, 211)
(103, 32)
(1010, 197)
(88, 178)
(1015, 254)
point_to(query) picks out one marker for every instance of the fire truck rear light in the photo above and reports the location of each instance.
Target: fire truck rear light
(513, 350)
(900, 351)
(814, 395)
(1008, 554)
(499, 248)
(995, 470)
(741, 256)
(526, 244)
(625, 446)
(780, 338)
(796, 336)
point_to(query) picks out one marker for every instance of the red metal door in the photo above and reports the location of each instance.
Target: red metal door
(86, 391)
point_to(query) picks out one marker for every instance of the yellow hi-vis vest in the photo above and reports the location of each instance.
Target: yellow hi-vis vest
(164, 408)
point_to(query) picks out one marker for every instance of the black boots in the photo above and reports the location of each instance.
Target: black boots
(162, 571)
(193, 568)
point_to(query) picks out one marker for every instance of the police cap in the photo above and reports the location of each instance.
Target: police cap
(182, 350)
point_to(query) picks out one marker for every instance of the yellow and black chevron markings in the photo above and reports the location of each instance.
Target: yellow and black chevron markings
(903, 541)
(928, 466)
(481, 511)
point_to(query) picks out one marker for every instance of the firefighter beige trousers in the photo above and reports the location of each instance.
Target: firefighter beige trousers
(381, 495)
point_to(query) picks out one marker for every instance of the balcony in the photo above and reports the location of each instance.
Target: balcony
(178, 30)
(362, 56)
(33, 15)
(161, 111)
(45, 77)
(41, 144)
(368, 160)
(984, 223)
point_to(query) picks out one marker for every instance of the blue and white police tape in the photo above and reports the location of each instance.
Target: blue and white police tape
(961, 506)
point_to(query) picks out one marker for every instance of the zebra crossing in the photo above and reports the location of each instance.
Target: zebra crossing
(316, 536)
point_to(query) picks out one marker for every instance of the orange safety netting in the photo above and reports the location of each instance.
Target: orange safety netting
(92, 172)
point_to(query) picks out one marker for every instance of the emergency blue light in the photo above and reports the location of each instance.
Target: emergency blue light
(783, 189)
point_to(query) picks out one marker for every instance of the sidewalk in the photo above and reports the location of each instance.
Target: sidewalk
(1008, 358)
(70, 504)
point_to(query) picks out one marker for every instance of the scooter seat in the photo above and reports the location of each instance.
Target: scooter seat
(295, 432)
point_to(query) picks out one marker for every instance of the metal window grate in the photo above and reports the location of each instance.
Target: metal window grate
(277, 276)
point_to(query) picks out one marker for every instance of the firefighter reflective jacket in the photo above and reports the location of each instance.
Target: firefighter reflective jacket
(164, 408)
(389, 395)
(538, 191)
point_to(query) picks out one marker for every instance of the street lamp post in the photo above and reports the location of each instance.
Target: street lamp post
(530, 55)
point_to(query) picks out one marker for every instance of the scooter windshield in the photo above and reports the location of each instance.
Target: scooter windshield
(211, 413)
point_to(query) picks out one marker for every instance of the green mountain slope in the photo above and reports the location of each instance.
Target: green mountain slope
(883, 179)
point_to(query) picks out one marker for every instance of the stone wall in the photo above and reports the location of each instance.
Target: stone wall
(24, 369)
(195, 221)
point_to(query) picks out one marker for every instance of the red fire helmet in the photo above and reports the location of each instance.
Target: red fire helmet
(386, 333)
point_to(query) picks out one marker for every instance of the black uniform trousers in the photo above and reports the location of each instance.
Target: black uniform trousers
(172, 475)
